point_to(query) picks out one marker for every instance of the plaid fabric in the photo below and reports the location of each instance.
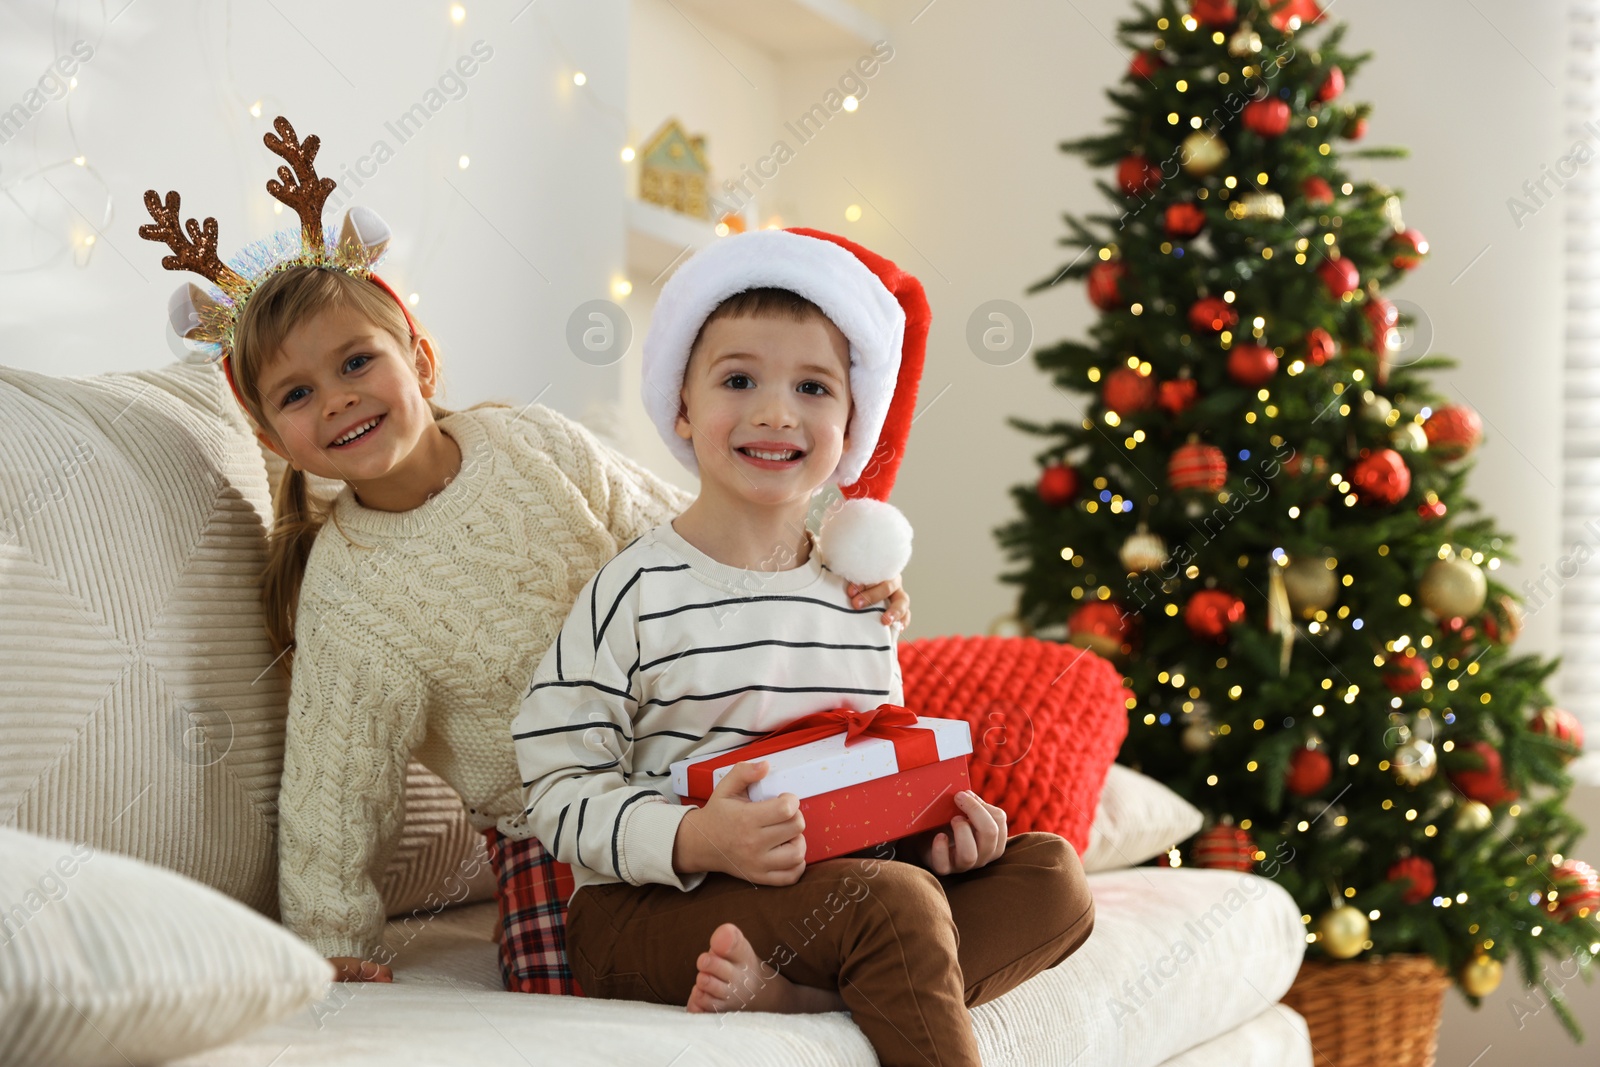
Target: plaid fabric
(532, 888)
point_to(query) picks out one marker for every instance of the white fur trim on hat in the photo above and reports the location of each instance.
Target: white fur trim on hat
(831, 277)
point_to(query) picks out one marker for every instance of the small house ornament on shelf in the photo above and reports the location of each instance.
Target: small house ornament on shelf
(673, 172)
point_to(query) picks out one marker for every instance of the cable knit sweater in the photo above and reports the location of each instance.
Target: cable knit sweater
(416, 636)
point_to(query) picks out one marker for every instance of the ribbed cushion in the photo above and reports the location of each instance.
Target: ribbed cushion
(105, 960)
(1139, 818)
(1047, 721)
(139, 708)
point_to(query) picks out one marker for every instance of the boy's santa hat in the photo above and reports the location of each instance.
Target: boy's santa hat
(882, 312)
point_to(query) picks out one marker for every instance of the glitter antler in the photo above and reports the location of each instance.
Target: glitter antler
(197, 252)
(302, 190)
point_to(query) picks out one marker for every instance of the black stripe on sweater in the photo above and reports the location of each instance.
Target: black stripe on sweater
(616, 828)
(600, 632)
(660, 702)
(757, 644)
(569, 728)
(754, 599)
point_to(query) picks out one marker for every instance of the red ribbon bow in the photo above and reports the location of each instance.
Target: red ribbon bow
(913, 746)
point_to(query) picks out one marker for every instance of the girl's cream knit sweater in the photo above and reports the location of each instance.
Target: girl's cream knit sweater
(416, 636)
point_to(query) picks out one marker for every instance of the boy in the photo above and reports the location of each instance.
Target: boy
(774, 365)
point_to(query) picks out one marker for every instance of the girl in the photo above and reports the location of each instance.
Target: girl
(411, 626)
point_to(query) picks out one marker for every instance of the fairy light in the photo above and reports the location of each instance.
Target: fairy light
(458, 14)
(464, 162)
(628, 153)
(851, 103)
(852, 213)
(580, 78)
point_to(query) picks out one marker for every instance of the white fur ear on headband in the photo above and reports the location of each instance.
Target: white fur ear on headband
(184, 317)
(365, 229)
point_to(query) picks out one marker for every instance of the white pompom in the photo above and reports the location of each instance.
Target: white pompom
(866, 541)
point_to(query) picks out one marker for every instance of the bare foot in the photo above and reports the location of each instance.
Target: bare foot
(732, 978)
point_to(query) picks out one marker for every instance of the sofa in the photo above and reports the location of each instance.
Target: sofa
(140, 744)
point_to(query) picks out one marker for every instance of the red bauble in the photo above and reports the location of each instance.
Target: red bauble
(1224, 848)
(1406, 249)
(1100, 626)
(1212, 314)
(1405, 674)
(1332, 85)
(1184, 219)
(1252, 364)
(1320, 346)
(1478, 774)
(1058, 485)
(1419, 873)
(1356, 128)
(1310, 769)
(1145, 64)
(1562, 728)
(1136, 174)
(1381, 477)
(1316, 190)
(1340, 275)
(1269, 117)
(1453, 431)
(1211, 613)
(1430, 512)
(1105, 285)
(1577, 891)
(1127, 391)
(1176, 396)
(1286, 11)
(1384, 319)
(1215, 12)
(1502, 621)
(1195, 466)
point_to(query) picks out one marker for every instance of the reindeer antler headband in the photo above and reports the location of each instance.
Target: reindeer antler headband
(203, 321)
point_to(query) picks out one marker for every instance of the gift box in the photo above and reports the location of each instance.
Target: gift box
(863, 777)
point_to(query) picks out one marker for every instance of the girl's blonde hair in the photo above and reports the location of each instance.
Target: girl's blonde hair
(274, 309)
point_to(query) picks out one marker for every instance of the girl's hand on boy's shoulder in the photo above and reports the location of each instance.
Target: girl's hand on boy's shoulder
(973, 839)
(897, 612)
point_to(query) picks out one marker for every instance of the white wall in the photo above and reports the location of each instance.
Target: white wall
(163, 103)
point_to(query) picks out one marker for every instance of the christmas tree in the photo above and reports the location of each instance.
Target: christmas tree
(1259, 514)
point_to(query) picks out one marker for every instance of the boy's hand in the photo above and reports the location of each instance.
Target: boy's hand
(972, 840)
(898, 610)
(761, 841)
(352, 969)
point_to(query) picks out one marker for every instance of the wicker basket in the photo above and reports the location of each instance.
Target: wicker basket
(1380, 1012)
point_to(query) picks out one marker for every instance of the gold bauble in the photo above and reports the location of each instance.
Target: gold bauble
(1197, 737)
(1473, 815)
(1409, 437)
(1245, 42)
(1415, 762)
(1377, 408)
(1453, 588)
(1203, 152)
(1008, 626)
(1143, 551)
(1343, 932)
(1258, 204)
(1480, 975)
(1311, 584)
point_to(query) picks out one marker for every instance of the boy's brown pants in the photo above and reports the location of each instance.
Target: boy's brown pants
(907, 950)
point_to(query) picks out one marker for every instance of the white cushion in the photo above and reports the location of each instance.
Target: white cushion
(107, 960)
(1221, 946)
(140, 710)
(1138, 819)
